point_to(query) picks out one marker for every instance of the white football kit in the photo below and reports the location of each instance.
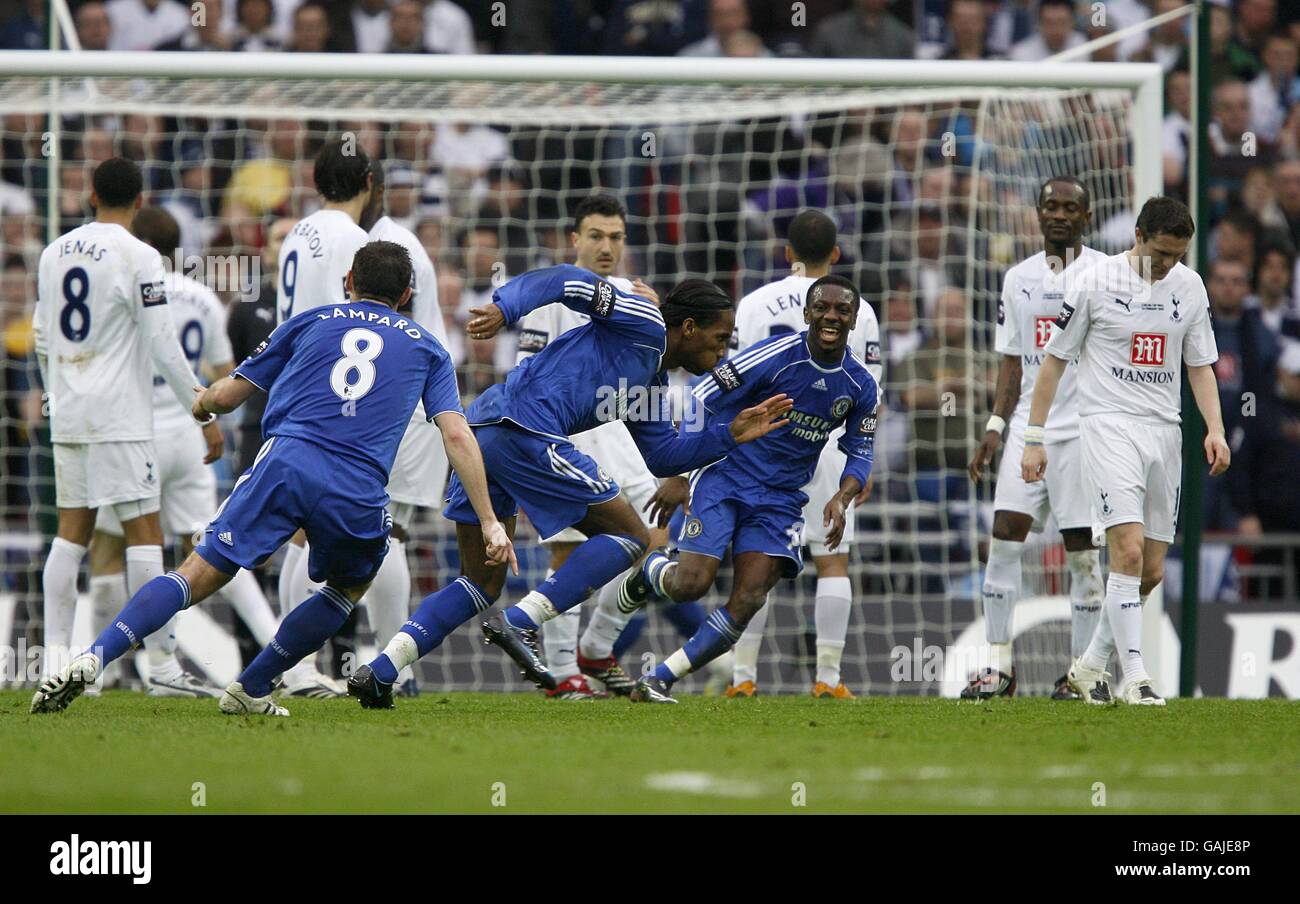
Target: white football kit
(419, 473)
(610, 445)
(189, 487)
(1131, 339)
(778, 308)
(1031, 300)
(102, 327)
(314, 262)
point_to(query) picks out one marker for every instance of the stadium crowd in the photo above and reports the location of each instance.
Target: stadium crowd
(488, 201)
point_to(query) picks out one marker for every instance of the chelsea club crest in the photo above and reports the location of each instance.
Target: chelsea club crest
(693, 528)
(841, 407)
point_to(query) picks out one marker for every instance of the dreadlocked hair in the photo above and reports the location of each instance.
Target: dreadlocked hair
(696, 299)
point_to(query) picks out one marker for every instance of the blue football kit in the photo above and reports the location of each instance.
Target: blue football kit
(343, 381)
(753, 499)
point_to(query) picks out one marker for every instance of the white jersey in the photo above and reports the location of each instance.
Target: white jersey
(314, 262)
(200, 320)
(609, 444)
(102, 326)
(1131, 338)
(778, 308)
(1031, 300)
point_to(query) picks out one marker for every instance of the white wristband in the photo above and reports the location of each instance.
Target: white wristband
(1034, 434)
(995, 424)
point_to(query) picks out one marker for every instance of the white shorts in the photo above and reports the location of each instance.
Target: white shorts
(189, 487)
(1134, 471)
(419, 473)
(824, 485)
(1061, 492)
(95, 475)
(638, 494)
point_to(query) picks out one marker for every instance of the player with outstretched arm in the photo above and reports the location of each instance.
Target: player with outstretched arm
(1132, 320)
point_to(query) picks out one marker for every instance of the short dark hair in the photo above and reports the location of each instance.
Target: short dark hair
(1218, 262)
(1067, 180)
(834, 279)
(812, 236)
(600, 205)
(117, 182)
(382, 271)
(696, 299)
(1166, 216)
(158, 229)
(341, 176)
(1044, 4)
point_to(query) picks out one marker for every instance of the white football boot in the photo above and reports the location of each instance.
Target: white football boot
(1141, 693)
(1092, 685)
(57, 691)
(234, 702)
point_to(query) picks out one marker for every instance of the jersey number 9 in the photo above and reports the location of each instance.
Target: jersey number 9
(288, 279)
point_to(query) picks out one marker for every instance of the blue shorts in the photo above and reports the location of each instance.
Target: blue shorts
(297, 484)
(553, 481)
(746, 518)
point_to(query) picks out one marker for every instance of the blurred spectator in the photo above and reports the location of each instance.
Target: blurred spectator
(1010, 22)
(429, 232)
(1266, 493)
(1234, 149)
(1256, 20)
(1177, 131)
(726, 18)
(312, 32)
(1168, 43)
(744, 45)
(189, 202)
(1277, 87)
(205, 31)
(94, 27)
(1107, 53)
(1119, 15)
(867, 31)
(505, 210)
(654, 27)
(255, 31)
(145, 24)
(402, 196)
(464, 152)
(1234, 239)
(1228, 59)
(370, 28)
(448, 28)
(968, 31)
(1056, 32)
(1274, 278)
(26, 29)
(1259, 199)
(406, 28)
(263, 185)
(1286, 182)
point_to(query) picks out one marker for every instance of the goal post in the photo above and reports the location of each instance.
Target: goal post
(711, 157)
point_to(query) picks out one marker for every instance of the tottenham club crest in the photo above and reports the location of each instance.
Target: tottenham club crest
(1105, 503)
(841, 407)
(693, 528)
(1175, 316)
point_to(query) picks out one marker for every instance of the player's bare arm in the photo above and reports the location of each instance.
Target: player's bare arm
(212, 434)
(222, 397)
(1005, 398)
(833, 514)
(1205, 390)
(467, 461)
(1034, 462)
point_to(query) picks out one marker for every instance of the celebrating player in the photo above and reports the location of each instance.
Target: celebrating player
(752, 501)
(101, 328)
(187, 482)
(613, 367)
(419, 472)
(314, 261)
(773, 310)
(343, 381)
(1132, 320)
(1031, 298)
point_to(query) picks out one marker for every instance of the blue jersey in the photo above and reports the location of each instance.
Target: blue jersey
(347, 378)
(824, 399)
(608, 369)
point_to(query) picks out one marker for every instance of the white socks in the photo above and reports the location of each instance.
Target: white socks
(60, 590)
(746, 649)
(246, 598)
(388, 601)
(560, 641)
(108, 597)
(285, 590)
(1001, 590)
(831, 614)
(606, 622)
(1124, 613)
(1087, 591)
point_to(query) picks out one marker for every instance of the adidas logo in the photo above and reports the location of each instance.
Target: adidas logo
(820, 384)
(226, 537)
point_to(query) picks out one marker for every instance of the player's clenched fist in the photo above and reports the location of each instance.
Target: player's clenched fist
(1033, 463)
(500, 550)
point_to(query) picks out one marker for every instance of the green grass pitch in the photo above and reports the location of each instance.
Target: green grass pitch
(518, 753)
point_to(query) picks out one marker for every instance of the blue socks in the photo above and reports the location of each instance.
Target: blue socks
(152, 607)
(302, 632)
(593, 564)
(685, 617)
(716, 636)
(439, 614)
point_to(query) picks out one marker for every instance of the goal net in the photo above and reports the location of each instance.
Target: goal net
(930, 171)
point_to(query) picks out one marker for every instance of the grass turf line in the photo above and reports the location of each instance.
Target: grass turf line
(445, 753)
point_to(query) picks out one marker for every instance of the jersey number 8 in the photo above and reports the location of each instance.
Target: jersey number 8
(355, 358)
(76, 305)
